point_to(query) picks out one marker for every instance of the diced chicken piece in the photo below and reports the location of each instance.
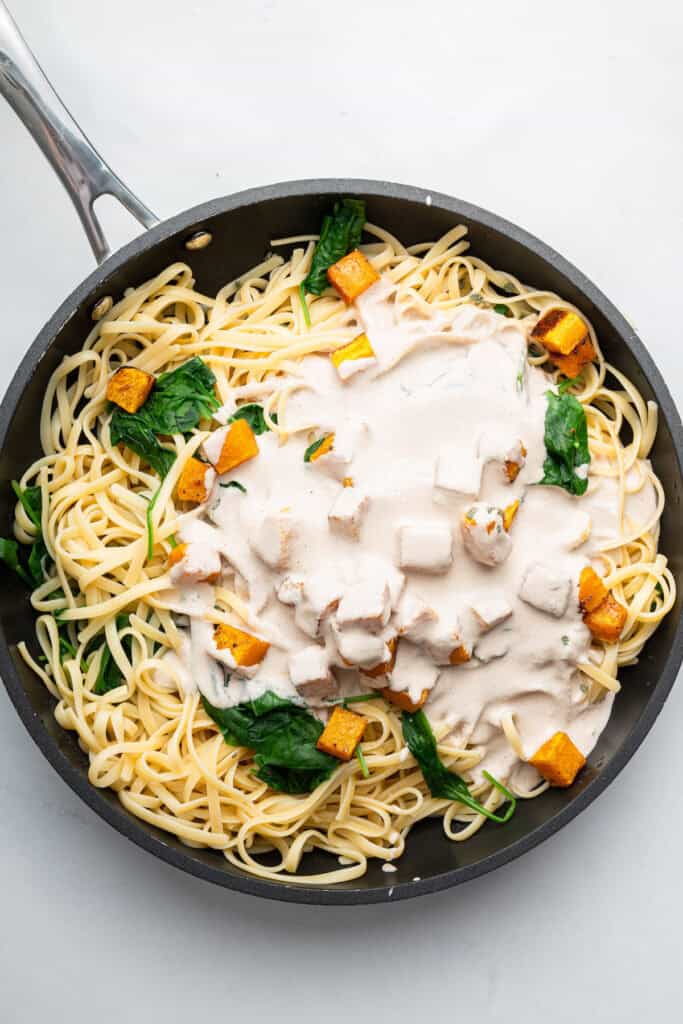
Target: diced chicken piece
(365, 604)
(310, 673)
(579, 530)
(560, 330)
(290, 590)
(359, 649)
(515, 458)
(129, 388)
(457, 476)
(413, 674)
(195, 481)
(194, 563)
(484, 535)
(558, 760)
(592, 591)
(607, 620)
(572, 364)
(321, 593)
(347, 512)
(272, 538)
(509, 513)
(445, 644)
(425, 547)
(352, 358)
(414, 617)
(492, 646)
(342, 734)
(384, 667)
(244, 648)
(490, 611)
(545, 589)
(352, 275)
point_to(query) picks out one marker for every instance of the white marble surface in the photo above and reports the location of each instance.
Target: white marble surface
(563, 118)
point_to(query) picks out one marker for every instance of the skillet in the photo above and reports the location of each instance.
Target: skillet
(220, 239)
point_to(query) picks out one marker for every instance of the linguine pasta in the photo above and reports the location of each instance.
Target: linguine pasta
(160, 752)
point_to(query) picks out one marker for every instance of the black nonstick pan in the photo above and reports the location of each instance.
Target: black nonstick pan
(220, 239)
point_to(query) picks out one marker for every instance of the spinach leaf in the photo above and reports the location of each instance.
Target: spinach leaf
(340, 233)
(443, 783)
(566, 442)
(38, 558)
(109, 675)
(9, 554)
(236, 484)
(180, 399)
(502, 309)
(253, 414)
(283, 737)
(32, 500)
(37, 561)
(136, 434)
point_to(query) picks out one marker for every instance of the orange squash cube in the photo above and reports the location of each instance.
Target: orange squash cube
(401, 698)
(592, 591)
(571, 365)
(459, 656)
(512, 468)
(192, 483)
(239, 446)
(129, 388)
(607, 620)
(352, 275)
(509, 514)
(347, 359)
(326, 445)
(176, 555)
(558, 760)
(385, 666)
(560, 330)
(342, 734)
(246, 649)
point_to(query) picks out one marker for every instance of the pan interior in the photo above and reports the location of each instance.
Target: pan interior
(242, 228)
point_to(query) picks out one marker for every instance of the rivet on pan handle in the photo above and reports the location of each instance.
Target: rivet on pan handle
(83, 172)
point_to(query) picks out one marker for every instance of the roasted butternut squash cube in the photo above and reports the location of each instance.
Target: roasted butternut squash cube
(385, 666)
(572, 364)
(195, 481)
(129, 388)
(176, 555)
(512, 466)
(509, 514)
(326, 445)
(607, 620)
(558, 760)
(239, 446)
(246, 649)
(560, 330)
(459, 656)
(352, 275)
(357, 355)
(592, 591)
(342, 734)
(401, 698)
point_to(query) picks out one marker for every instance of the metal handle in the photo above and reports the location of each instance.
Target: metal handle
(83, 172)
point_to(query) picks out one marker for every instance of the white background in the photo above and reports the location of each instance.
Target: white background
(565, 118)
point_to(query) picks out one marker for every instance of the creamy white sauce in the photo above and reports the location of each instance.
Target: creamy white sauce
(331, 575)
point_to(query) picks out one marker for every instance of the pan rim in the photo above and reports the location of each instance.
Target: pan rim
(114, 814)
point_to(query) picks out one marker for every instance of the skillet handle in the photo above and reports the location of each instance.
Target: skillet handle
(83, 172)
